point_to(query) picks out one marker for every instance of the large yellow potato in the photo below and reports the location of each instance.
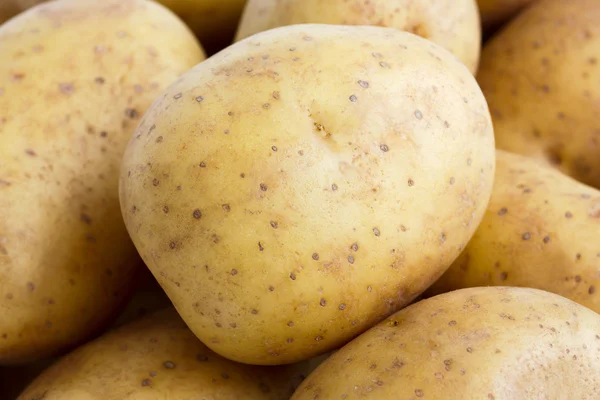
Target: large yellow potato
(75, 78)
(496, 343)
(157, 357)
(295, 189)
(541, 78)
(496, 12)
(453, 24)
(213, 21)
(541, 230)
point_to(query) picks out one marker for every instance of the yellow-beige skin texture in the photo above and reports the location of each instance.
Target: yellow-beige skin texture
(75, 77)
(295, 189)
(495, 343)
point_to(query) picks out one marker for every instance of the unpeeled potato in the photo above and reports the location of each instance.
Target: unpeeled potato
(541, 78)
(453, 24)
(495, 343)
(75, 78)
(157, 357)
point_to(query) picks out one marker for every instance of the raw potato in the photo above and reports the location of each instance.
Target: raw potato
(295, 189)
(496, 12)
(158, 357)
(453, 24)
(541, 78)
(75, 78)
(541, 230)
(493, 343)
(213, 21)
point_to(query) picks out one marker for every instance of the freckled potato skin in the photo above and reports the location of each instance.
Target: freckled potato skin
(157, 357)
(496, 12)
(541, 230)
(541, 78)
(213, 21)
(453, 24)
(295, 189)
(74, 79)
(495, 343)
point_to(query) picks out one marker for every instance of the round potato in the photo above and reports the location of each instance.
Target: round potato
(453, 24)
(157, 357)
(541, 230)
(496, 12)
(295, 189)
(541, 78)
(75, 78)
(495, 343)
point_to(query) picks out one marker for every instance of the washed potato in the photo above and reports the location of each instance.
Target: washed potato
(75, 78)
(157, 357)
(10, 8)
(453, 24)
(213, 21)
(298, 187)
(541, 230)
(496, 12)
(541, 78)
(496, 343)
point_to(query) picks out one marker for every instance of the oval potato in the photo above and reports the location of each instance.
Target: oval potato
(541, 230)
(453, 24)
(495, 343)
(157, 357)
(541, 78)
(75, 78)
(295, 189)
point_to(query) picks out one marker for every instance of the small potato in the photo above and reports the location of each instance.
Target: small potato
(496, 343)
(453, 24)
(541, 78)
(75, 78)
(497, 12)
(295, 189)
(541, 230)
(157, 357)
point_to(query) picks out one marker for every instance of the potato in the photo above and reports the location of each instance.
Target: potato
(496, 12)
(75, 78)
(541, 78)
(295, 189)
(453, 24)
(157, 357)
(541, 230)
(497, 343)
(213, 21)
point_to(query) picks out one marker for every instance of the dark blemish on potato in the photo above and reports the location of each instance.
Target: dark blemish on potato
(226, 207)
(254, 311)
(274, 224)
(526, 236)
(9, 296)
(271, 288)
(301, 152)
(443, 238)
(30, 153)
(197, 214)
(274, 148)
(260, 247)
(418, 114)
(363, 84)
(323, 302)
(100, 80)
(165, 209)
(202, 164)
(384, 148)
(153, 373)
(452, 323)
(469, 350)
(315, 256)
(502, 211)
(592, 290)
(578, 256)
(353, 98)
(383, 64)
(411, 182)
(66, 88)
(177, 96)
(334, 187)
(418, 393)
(172, 245)
(318, 338)
(169, 364)
(376, 231)
(242, 175)
(342, 307)
(351, 259)
(354, 246)
(215, 238)
(30, 286)
(266, 106)
(276, 95)
(369, 289)
(234, 272)
(568, 215)
(131, 113)
(546, 239)
(290, 324)
(103, 134)
(233, 325)
(146, 382)
(199, 99)
(86, 219)
(293, 276)
(503, 276)
(263, 187)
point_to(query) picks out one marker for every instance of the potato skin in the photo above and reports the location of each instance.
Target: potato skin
(497, 343)
(295, 189)
(541, 230)
(452, 24)
(76, 76)
(541, 78)
(496, 12)
(157, 357)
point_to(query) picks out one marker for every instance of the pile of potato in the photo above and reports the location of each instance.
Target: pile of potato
(299, 199)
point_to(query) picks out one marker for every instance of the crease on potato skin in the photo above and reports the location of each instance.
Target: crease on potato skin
(454, 25)
(539, 75)
(496, 343)
(271, 278)
(541, 230)
(71, 93)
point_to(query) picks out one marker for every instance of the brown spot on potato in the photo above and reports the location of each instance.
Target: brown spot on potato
(169, 364)
(342, 307)
(591, 289)
(263, 187)
(260, 247)
(384, 148)
(351, 259)
(323, 302)
(172, 245)
(276, 95)
(502, 211)
(203, 164)
(353, 98)
(376, 231)
(155, 182)
(234, 272)
(199, 99)
(165, 209)
(354, 246)
(254, 311)
(226, 207)
(100, 80)
(274, 148)
(568, 215)
(131, 113)
(318, 338)
(66, 88)
(30, 152)
(86, 219)
(419, 393)
(411, 183)
(418, 114)
(526, 236)
(293, 276)
(30, 286)
(334, 187)
(146, 382)
(315, 256)
(177, 96)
